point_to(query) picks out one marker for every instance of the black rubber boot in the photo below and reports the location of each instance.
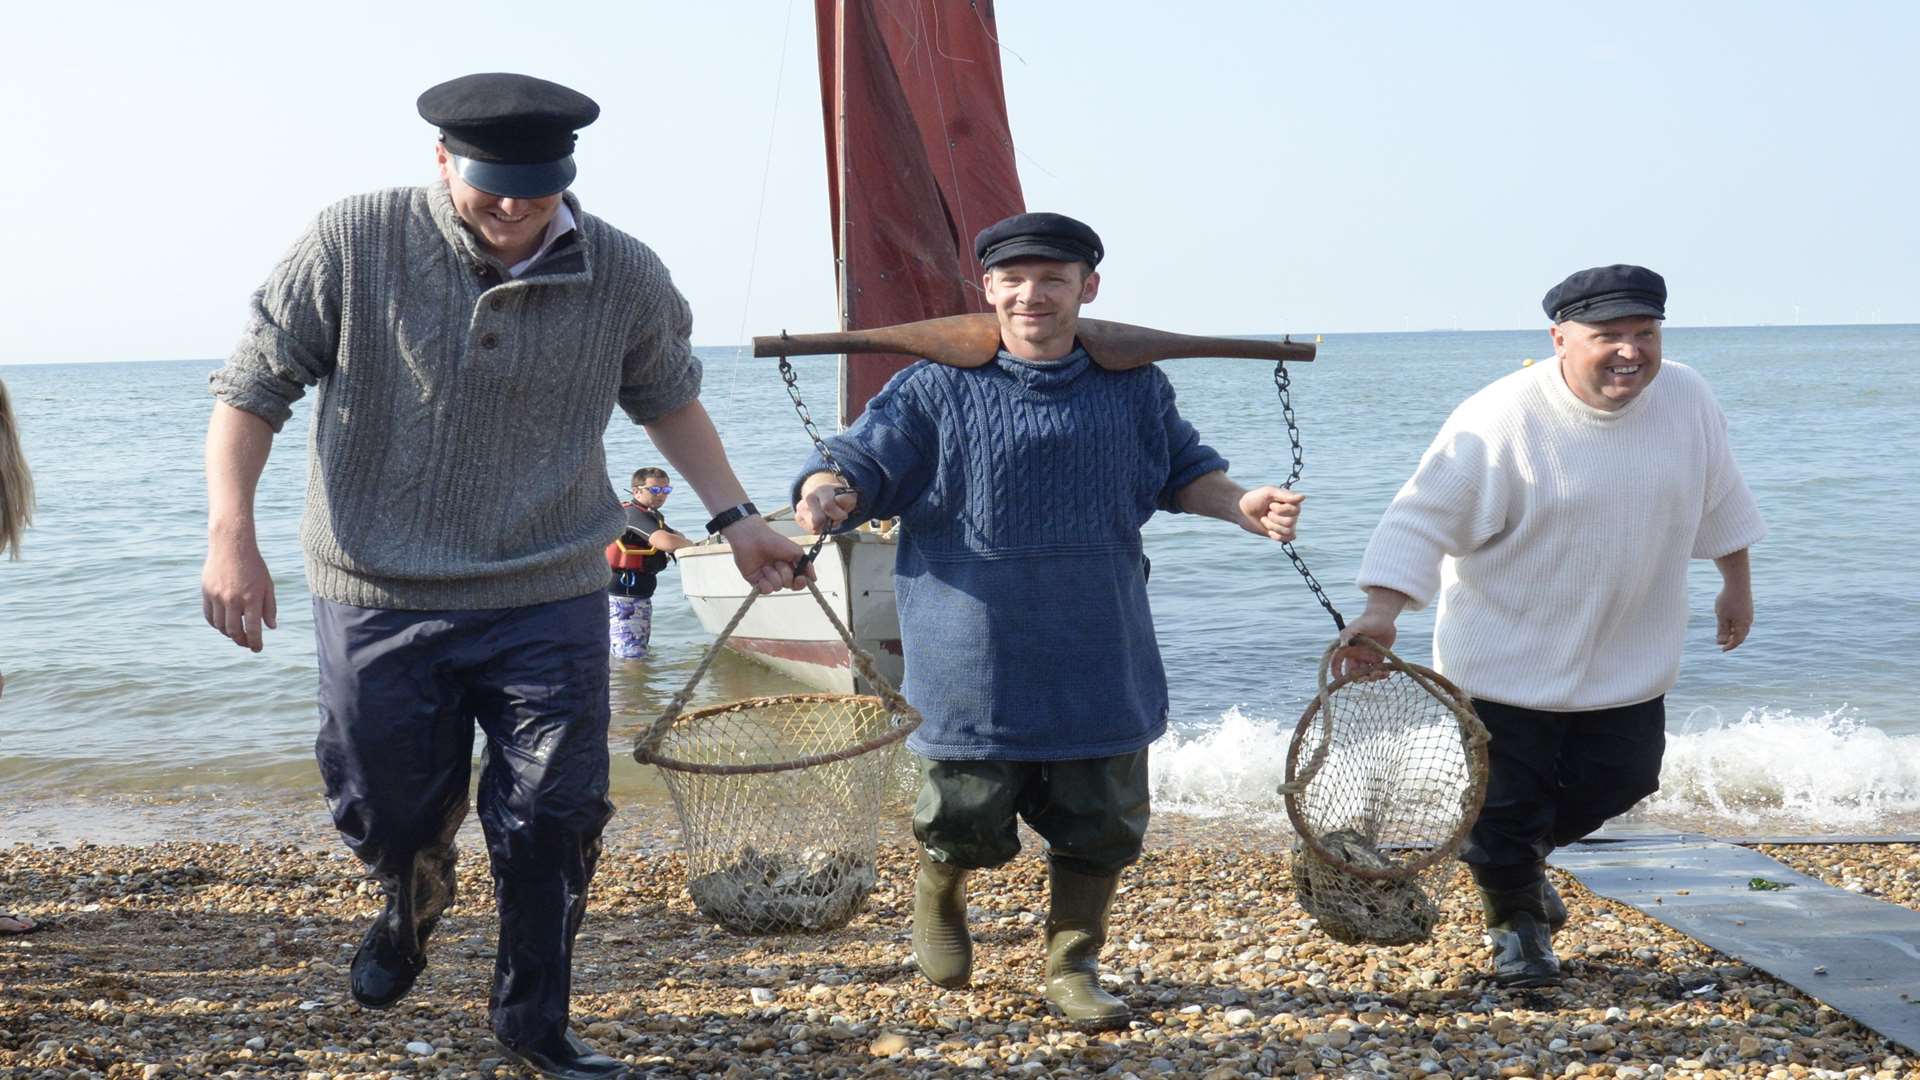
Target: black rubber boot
(566, 1057)
(1076, 929)
(942, 948)
(1522, 941)
(391, 957)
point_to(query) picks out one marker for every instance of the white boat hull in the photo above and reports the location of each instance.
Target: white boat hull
(787, 631)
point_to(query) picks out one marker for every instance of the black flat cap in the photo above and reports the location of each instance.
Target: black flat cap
(510, 135)
(1607, 292)
(1038, 236)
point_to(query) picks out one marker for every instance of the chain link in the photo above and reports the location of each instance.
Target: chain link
(1284, 383)
(792, 379)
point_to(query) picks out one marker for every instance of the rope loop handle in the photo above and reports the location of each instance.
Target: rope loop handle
(1473, 739)
(1472, 732)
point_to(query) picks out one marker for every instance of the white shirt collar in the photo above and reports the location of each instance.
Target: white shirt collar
(561, 225)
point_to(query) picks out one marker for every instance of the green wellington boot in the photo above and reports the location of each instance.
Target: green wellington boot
(1556, 908)
(941, 946)
(1522, 941)
(1076, 929)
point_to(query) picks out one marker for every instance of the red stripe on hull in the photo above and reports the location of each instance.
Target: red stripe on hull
(831, 654)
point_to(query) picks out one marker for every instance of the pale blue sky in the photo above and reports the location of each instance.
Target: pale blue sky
(1253, 167)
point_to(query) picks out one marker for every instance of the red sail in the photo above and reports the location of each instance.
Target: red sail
(919, 159)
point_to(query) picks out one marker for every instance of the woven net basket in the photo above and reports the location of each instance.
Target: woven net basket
(1386, 774)
(780, 798)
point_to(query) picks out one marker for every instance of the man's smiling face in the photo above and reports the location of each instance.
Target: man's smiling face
(511, 228)
(1608, 364)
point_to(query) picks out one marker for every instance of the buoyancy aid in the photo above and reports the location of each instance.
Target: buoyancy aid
(622, 555)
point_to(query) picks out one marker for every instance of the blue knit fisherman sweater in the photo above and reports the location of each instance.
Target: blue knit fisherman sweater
(1021, 489)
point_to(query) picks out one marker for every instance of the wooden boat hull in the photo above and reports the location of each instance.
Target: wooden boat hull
(787, 631)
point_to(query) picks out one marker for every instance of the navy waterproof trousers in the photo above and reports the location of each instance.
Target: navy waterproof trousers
(1554, 777)
(400, 693)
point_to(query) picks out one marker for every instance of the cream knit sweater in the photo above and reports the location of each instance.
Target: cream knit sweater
(1557, 536)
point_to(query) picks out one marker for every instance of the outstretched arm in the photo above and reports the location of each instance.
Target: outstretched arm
(668, 540)
(1266, 511)
(687, 439)
(236, 591)
(1733, 610)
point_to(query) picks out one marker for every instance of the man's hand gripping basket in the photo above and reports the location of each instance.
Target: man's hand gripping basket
(1385, 776)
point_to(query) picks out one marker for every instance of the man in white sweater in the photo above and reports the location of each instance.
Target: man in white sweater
(1553, 518)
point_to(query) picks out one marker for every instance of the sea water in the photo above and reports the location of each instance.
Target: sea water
(117, 688)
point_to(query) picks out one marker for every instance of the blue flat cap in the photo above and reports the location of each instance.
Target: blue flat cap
(1038, 236)
(1607, 292)
(509, 135)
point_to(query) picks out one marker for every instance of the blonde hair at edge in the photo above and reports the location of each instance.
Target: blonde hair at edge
(16, 484)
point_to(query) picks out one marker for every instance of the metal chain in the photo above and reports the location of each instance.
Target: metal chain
(792, 379)
(1284, 383)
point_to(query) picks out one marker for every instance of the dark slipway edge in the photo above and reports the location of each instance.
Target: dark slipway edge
(1867, 951)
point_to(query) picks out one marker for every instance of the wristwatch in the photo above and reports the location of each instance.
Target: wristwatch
(731, 515)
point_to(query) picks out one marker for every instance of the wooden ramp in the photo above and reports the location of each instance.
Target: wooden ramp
(1859, 955)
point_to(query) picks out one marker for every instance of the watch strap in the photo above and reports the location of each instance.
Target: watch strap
(732, 514)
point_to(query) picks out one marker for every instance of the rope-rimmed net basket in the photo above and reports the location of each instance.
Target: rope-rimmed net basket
(780, 798)
(1385, 776)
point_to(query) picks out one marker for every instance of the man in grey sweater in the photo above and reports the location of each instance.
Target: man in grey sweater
(466, 342)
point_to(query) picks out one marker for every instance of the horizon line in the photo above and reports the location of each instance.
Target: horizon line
(1298, 334)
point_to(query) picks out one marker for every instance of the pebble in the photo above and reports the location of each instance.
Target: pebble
(1226, 976)
(889, 1044)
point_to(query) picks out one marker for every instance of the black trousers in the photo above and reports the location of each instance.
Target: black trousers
(1555, 777)
(1092, 812)
(400, 694)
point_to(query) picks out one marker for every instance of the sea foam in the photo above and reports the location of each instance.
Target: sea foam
(1769, 771)
(1775, 770)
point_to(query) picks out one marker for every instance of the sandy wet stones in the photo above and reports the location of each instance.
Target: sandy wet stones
(195, 959)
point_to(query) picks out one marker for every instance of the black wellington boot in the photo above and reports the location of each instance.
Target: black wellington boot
(393, 952)
(388, 962)
(1522, 942)
(1076, 929)
(942, 948)
(565, 1056)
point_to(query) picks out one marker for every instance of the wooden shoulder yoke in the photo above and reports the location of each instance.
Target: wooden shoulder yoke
(972, 341)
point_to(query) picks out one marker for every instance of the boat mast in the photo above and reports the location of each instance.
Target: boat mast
(845, 381)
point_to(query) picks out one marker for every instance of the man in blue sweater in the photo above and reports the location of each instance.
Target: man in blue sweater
(1021, 487)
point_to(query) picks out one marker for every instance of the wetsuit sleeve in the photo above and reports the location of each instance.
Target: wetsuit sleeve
(641, 523)
(293, 330)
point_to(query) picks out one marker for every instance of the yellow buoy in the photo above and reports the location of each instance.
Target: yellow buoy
(1528, 362)
(1317, 339)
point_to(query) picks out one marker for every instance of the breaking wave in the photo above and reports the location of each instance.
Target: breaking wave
(1769, 771)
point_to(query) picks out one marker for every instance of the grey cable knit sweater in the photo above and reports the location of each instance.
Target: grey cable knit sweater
(456, 458)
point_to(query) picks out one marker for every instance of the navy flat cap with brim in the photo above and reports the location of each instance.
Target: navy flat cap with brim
(509, 135)
(1038, 236)
(1607, 292)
